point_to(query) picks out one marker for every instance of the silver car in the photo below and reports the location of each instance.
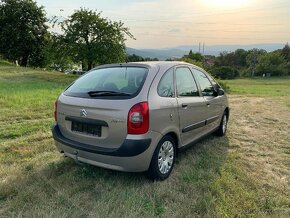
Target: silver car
(137, 116)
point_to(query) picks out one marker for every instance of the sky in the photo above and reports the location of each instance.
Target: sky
(171, 23)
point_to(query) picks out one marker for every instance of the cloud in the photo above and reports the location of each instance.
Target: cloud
(175, 30)
(159, 23)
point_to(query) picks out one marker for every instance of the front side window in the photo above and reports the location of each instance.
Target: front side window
(205, 85)
(186, 86)
(166, 87)
(213, 82)
(109, 83)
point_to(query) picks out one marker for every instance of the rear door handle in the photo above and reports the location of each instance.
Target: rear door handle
(208, 104)
(184, 105)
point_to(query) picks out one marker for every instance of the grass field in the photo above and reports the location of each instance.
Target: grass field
(270, 87)
(246, 173)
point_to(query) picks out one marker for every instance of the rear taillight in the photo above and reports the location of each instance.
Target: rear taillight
(55, 110)
(138, 119)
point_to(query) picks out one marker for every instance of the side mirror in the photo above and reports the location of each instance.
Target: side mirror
(215, 93)
(218, 92)
(221, 92)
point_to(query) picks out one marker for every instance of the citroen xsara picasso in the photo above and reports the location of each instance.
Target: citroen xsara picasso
(136, 116)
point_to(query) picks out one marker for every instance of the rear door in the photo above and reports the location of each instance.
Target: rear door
(191, 106)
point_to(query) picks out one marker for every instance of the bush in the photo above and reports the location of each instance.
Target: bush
(224, 72)
(190, 61)
(224, 85)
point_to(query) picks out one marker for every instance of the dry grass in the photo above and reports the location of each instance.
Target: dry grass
(244, 174)
(260, 137)
(261, 129)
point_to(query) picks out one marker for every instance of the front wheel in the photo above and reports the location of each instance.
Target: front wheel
(223, 126)
(163, 159)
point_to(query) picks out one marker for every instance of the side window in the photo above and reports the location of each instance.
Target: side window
(185, 83)
(213, 82)
(205, 85)
(166, 87)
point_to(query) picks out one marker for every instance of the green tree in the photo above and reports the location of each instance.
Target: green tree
(95, 40)
(224, 72)
(151, 59)
(194, 56)
(57, 53)
(272, 63)
(23, 32)
(190, 61)
(252, 60)
(286, 52)
(134, 58)
(235, 59)
(240, 58)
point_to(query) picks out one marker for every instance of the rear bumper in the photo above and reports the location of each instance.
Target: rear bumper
(134, 155)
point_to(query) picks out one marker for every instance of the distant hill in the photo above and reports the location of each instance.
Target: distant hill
(179, 51)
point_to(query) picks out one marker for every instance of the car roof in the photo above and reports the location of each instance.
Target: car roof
(159, 63)
(163, 65)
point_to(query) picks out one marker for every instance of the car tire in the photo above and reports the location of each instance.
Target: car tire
(163, 159)
(221, 131)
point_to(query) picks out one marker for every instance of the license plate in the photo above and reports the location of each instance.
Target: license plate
(85, 128)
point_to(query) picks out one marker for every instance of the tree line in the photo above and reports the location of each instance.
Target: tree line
(87, 38)
(239, 63)
(255, 62)
(242, 63)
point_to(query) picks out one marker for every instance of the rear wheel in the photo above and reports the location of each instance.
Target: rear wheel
(163, 159)
(223, 126)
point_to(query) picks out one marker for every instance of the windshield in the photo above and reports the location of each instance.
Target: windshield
(113, 82)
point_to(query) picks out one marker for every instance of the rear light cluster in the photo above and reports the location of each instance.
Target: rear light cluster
(55, 110)
(138, 119)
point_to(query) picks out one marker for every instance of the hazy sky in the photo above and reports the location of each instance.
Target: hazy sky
(169, 23)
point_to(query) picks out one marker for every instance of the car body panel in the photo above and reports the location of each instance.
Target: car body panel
(191, 126)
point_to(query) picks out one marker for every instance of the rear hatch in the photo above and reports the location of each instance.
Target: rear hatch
(94, 109)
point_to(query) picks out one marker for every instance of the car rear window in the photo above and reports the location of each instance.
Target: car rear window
(111, 83)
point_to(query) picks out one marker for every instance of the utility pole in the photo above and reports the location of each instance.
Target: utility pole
(199, 47)
(203, 49)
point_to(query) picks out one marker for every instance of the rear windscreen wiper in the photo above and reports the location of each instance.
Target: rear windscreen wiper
(107, 93)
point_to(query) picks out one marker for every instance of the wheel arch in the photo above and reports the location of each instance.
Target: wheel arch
(227, 110)
(175, 137)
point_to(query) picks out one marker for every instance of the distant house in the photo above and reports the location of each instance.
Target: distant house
(209, 59)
